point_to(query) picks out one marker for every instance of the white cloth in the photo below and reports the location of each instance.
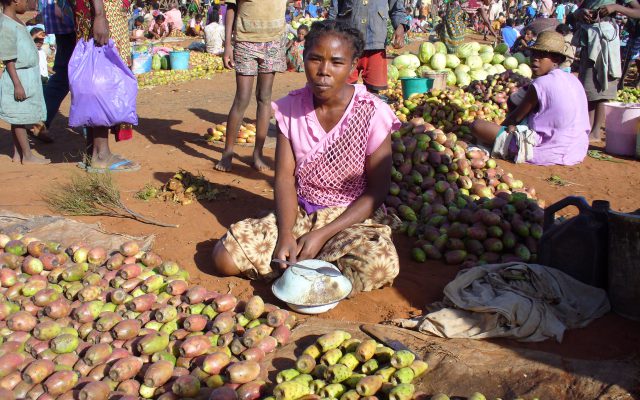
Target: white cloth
(42, 60)
(527, 302)
(214, 38)
(526, 139)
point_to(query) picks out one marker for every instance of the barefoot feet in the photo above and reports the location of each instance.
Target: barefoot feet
(225, 162)
(258, 162)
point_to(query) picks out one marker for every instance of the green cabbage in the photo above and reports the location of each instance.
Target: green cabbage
(464, 68)
(520, 57)
(524, 70)
(452, 61)
(474, 62)
(478, 75)
(486, 57)
(497, 59)
(451, 78)
(423, 70)
(485, 66)
(499, 68)
(438, 61)
(392, 72)
(427, 49)
(510, 63)
(491, 70)
(501, 48)
(485, 48)
(467, 49)
(406, 61)
(440, 48)
(463, 79)
(406, 73)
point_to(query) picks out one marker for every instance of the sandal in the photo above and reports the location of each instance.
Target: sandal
(118, 166)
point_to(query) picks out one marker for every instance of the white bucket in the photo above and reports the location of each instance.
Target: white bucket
(621, 125)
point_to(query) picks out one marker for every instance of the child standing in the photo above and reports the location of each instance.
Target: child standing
(38, 36)
(333, 168)
(21, 96)
(295, 50)
(259, 50)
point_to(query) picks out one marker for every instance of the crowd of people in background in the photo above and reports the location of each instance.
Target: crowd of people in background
(516, 23)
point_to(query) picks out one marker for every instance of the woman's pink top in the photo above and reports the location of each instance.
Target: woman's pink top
(562, 120)
(297, 120)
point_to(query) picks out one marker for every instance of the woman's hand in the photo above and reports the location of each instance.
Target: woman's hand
(310, 244)
(100, 30)
(228, 58)
(398, 37)
(18, 93)
(286, 249)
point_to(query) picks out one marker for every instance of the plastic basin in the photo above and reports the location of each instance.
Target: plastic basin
(622, 128)
(411, 86)
(310, 292)
(179, 60)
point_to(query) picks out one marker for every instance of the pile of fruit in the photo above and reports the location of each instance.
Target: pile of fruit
(247, 133)
(451, 109)
(471, 62)
(457, 202)
(339, 367)
(498, 88)
(629, 95)
(185, 188)
(87, 323)
(202, 65)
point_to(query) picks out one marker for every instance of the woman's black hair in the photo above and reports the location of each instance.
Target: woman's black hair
(159, 17)
(338, 28)
(213, 15)
(140, 19)
(302, 27)
(5, 2)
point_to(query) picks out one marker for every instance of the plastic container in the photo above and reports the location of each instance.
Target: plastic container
(179, 60)
(412, 86)
(621, 127)
(624, 264)
(141, 63)
(439, 80)
(579, 245)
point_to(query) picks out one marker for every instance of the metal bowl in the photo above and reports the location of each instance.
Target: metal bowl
(310, 292)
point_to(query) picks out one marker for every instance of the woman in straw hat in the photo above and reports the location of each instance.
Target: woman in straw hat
(551, 124)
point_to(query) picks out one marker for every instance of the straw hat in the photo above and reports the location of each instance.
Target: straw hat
(550, 42)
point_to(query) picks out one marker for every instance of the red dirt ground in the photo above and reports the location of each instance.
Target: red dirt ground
(173, 120)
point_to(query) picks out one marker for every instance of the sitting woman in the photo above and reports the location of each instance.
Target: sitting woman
(333, 165)
(551, 124)
(158, 28)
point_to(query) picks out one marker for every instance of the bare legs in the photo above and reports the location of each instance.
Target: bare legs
(244, 86)
(21, 149)
(485, 131)
(596, 117)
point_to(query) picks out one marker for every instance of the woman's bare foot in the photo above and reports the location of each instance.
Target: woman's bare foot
(33, 159)
(225, 162)
(113, 163)
(259, 164)
(593, 137)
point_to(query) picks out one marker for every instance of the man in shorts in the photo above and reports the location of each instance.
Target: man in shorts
(371, 18)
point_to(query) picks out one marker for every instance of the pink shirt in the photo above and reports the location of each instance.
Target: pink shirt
(298, 122)
(330, 166)
(561, 121)
(174, 17)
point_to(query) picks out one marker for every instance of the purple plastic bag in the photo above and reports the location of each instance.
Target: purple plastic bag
(103, 88)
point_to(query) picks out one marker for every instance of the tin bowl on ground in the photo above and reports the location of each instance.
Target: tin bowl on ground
(310, 292)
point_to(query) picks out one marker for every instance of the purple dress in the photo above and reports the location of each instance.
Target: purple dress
(562, 120)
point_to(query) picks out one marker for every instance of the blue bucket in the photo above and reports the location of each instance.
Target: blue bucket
(412, 86)
(141, 63)
(179, 60)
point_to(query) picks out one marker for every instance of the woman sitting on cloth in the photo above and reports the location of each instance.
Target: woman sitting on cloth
(333, 166)
(551, 124)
